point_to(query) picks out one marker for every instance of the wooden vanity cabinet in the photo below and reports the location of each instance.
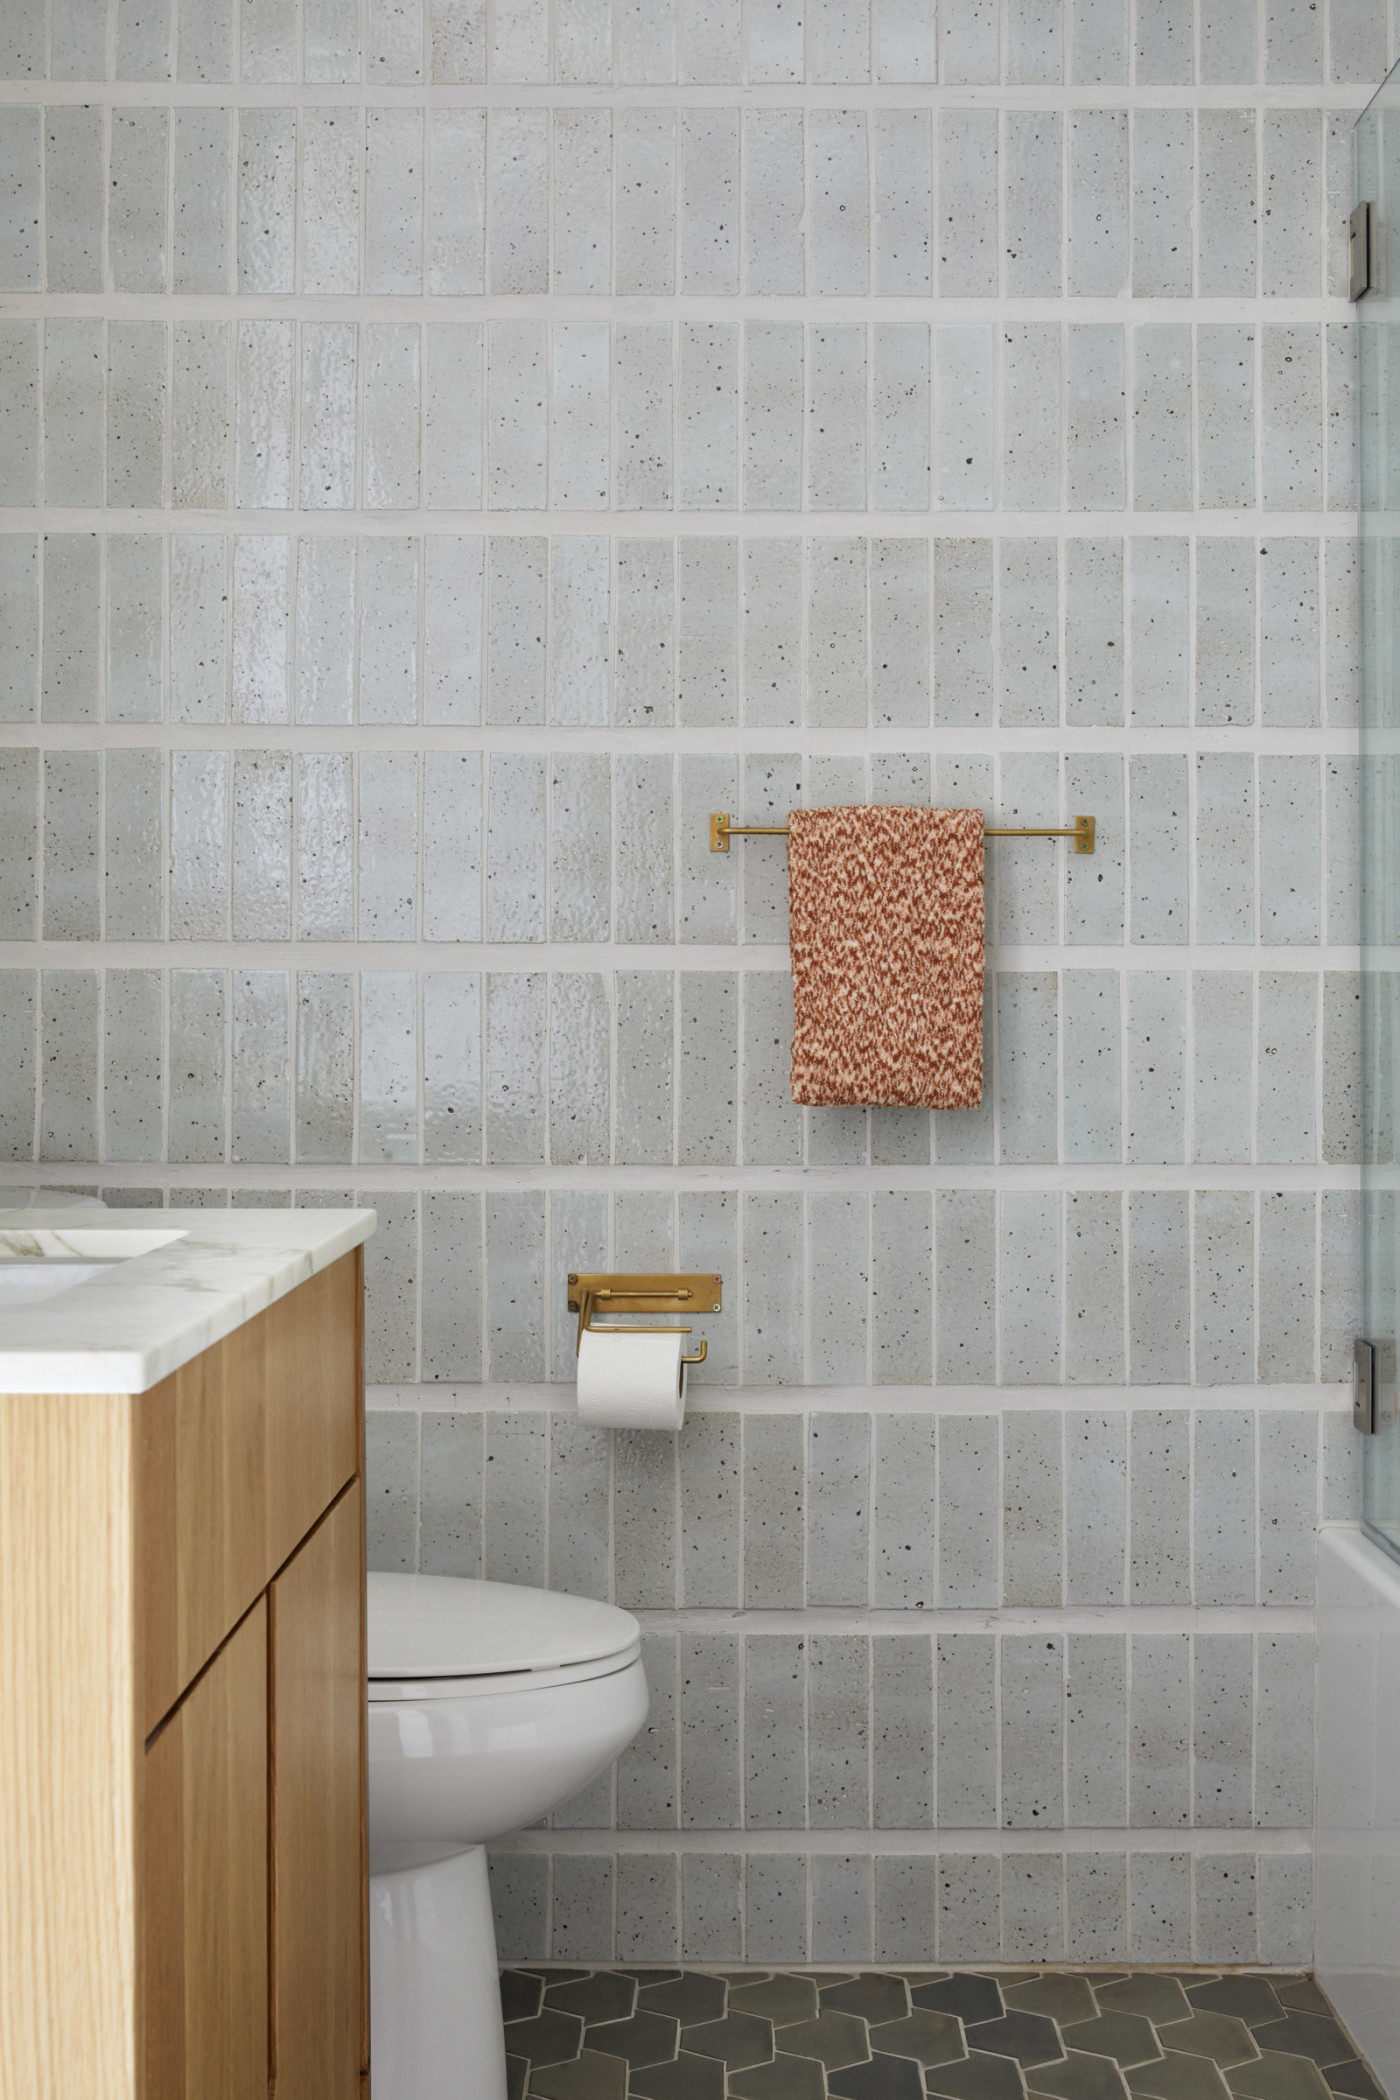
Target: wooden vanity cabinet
(182, 1723)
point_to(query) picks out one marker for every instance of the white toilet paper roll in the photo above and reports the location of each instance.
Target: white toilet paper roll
(631, 1381)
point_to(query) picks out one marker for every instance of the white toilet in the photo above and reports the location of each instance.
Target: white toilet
(488, 1705)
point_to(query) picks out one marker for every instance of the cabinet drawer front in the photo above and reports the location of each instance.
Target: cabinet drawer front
(238, 1454)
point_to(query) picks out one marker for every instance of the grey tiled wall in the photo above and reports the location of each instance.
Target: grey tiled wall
(448, 450)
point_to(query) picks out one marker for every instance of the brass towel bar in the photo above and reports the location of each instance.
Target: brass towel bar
(1081, 831)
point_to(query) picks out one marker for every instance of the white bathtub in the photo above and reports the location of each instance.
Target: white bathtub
(1358, 1792)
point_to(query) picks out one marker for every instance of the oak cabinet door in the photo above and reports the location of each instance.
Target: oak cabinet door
(319, 1890)
(238, 1453)
(204, 1883)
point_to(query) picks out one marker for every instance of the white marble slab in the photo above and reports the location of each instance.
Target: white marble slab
(132, 1322)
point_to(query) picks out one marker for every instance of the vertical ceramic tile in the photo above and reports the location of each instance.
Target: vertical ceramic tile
(1029, 1287)
(1098, 203)
(262, 845)
(450, 1507)
(516, 623)
(1288, 602)
(18, 1041)
(645, 1117)
(966, 1754)
(68, 1025)
(967, 188)
(1095, 385)
(21, 158)
(1033, 203)
(332, 160)
(1159, 584)
(1288, 1496)
(837, 386)
(583, 152)
(838, 201)
(1096, 1732)
(645, 201)
(391, 1491)
(1162, 174)
(1222, 1704)
(326, 477)
(197, 1099)
(1159, 1906)
(260, 1066)
(387, 1114)
(325, 1055)
(70, 655)
(1285, 1113)
(643, 411)
(838, 1731)
(135, 627)
(452, 1065)
(902, 1738)
(387, 849)
(1159, 1760)
(1224, 1279)
(773, 1508)
(390, 418)
(515, 1051)
(775, 1778)
(965, 1288)
(261, 623)
(514, 1292)
(1094, 1508)
(963, 434)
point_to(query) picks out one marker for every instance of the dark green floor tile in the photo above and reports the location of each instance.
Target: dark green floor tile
(883, 2078)
(833, 2038)
(649, 1976)
(520, 1994)
(1247, 1998)
(550, 2038)
(1306, 2034)
(979, 2078)
(786, 2078)
(1147, 1997)
(741, 1975)
(690, 1999)
(646, 2038)
(1079, 2077)
(549, 1975)
(969, 1998)
(1217, 2035)
(929, 2037)
(1276, 2077)
(1062, 1998)
(606, 1996)
(919, 1979)
(872, 1997)
(1303, 1994)
(688, 2078)
(739, 2040)
(517, 2071)
(1178, 2078)
(1354, 2080)
(1026, 2036)
(589, 2077)
(781, 1999)
(1125, 2036)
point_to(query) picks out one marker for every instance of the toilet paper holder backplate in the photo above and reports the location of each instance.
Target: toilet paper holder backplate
(642, 1294)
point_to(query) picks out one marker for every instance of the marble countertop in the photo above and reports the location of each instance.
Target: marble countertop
(133, 1321)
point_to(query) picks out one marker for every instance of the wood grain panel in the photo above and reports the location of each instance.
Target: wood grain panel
(67, 1748)
(319, 1869)
(238, 1454)
(204, 1884)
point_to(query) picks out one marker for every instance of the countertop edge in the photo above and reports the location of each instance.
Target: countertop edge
(126, 1371)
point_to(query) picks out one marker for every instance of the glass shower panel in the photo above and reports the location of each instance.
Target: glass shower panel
(1378, 314)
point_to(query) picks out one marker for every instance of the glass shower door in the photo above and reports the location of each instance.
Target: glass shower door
(1378, 182)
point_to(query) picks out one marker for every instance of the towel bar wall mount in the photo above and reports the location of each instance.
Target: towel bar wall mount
(1081, 831)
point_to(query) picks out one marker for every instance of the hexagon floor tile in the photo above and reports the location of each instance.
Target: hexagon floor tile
(658, 2033)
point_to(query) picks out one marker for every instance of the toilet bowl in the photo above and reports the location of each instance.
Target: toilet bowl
(489, 1704)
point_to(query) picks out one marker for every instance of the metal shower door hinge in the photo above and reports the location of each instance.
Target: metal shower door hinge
(1363, 1387)
(1359, 251)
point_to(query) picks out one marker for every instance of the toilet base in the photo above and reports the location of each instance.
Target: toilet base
(435, 2002)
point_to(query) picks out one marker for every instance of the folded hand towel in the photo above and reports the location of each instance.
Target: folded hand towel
(887, 951)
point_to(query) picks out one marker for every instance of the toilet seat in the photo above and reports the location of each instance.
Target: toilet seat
(450, 1637)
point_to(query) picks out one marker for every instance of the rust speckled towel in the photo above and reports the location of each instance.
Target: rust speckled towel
(887, 950)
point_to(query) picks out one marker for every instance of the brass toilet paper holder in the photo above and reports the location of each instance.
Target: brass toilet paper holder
(635, 1294)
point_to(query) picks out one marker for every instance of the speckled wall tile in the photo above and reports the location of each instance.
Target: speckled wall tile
(268, 680)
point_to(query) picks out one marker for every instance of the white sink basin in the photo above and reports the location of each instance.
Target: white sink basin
(35, 1265)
